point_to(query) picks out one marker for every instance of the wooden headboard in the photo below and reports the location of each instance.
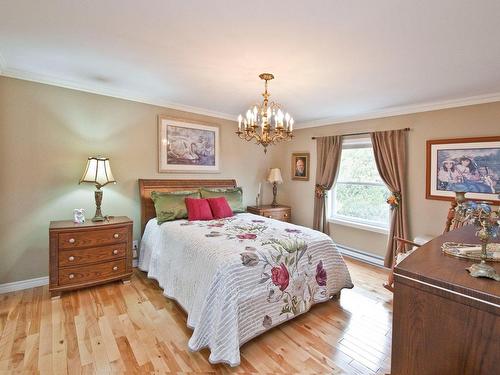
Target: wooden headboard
(146, 187)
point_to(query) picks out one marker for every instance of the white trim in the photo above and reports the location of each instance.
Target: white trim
(446, 290)
(54, 81)
(358, 225)
(23, 284)
(389, 112)
(363, 256)
(404, 110)
(3, 64)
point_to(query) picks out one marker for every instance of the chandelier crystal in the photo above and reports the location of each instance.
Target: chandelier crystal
(265, 122)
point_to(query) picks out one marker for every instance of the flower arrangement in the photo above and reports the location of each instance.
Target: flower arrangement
(394, 200)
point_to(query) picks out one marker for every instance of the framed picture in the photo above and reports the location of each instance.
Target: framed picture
(300, 166)
(187, 147)
(467, 164)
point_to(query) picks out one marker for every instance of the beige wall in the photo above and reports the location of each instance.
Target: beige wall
(46, 134)
(426, 216)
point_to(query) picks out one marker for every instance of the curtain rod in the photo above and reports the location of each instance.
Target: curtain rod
(363, 133)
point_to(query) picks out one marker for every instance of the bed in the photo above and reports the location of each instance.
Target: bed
(236, 277)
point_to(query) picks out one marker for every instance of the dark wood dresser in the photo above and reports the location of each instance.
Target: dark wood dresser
(83, 255)
(280, 212)
(445, 321)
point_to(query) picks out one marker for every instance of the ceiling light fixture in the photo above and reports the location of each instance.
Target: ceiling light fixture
(265, 122)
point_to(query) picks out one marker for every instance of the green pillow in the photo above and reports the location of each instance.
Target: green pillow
(171, 206)
(234, 196)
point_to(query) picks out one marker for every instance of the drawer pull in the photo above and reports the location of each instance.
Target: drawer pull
(71, 258)
(115, 268)
(71, 240)
(285, 215)
(116, 235)
(115, 252)
(71, 276)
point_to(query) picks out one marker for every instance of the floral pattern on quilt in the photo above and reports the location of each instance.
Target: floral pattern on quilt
(294, 284)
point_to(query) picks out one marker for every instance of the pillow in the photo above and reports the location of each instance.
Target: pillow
(198, 209)
(220, 208)
(234, 196)
(170, 206)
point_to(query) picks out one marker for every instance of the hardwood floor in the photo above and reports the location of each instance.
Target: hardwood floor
(133, 328)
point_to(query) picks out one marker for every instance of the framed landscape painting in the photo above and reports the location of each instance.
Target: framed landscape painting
(185, 147)
(471, 165)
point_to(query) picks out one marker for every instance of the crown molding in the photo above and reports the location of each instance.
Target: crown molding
(404, 110)
(54, 81)
(389, 112)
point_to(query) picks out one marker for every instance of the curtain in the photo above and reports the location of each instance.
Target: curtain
(389, 148)
(329, 150)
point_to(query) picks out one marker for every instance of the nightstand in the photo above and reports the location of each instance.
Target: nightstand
(280, 212)
(82, 255)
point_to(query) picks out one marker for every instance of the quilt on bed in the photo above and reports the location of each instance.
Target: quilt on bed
(240, 276)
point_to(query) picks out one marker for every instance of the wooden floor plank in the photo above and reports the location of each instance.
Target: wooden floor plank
(116, 328)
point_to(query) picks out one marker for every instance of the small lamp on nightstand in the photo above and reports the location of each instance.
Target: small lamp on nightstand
(275, 178)
(98, 172)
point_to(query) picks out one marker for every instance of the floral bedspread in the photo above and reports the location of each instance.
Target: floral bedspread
(240, 276)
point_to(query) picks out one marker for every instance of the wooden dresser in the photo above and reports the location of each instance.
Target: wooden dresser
(88, 254)
(283, 213)
(445, 321)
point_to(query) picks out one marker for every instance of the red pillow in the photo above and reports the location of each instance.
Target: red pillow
(220, 208)
(198, 209)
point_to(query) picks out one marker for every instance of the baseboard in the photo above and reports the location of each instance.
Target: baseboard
(363, 256)
(33, 283)
(23, 284)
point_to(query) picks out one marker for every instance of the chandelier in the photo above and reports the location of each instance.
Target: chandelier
(265, 122)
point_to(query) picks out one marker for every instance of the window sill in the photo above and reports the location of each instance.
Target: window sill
(357, 225)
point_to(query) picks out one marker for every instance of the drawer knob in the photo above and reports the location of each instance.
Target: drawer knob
(71, 240)
(115, 251)
(270, 216)
(71, 276)
(115, 268)
(71, 258)
(116, 235)
(286, 215)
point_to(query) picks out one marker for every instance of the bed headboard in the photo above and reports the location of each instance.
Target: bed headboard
(148, 186)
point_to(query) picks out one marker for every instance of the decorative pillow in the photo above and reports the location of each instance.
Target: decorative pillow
(220, 208)
(171, 206)
(198, 209)
(234, 196)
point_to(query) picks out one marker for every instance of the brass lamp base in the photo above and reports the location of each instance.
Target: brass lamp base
(483, 270)
(98, 199)
(275, 192)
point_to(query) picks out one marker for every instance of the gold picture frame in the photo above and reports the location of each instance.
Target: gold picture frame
(300, 166)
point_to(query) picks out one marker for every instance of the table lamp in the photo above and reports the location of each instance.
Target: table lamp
(98, 172)
(275, 178)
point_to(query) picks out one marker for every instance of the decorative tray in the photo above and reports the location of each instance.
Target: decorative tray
(472, 251)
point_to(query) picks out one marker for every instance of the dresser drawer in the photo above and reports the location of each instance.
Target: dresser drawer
(71, 240)
(283, 215)
(91, 273)
(75, 257)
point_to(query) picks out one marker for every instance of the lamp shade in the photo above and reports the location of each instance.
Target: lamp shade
(275, 176)
(98, 172)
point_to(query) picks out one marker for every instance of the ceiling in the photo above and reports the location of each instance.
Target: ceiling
(333, 60)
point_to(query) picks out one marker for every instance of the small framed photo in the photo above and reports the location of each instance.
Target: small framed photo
(470, 165)
(186, 147)
(300, 166)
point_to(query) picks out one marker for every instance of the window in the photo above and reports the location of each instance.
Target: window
(359, 196)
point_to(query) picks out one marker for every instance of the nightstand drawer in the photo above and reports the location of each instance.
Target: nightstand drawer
(278, 215)
(73, 240)
(92, 273)
(92, 255)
